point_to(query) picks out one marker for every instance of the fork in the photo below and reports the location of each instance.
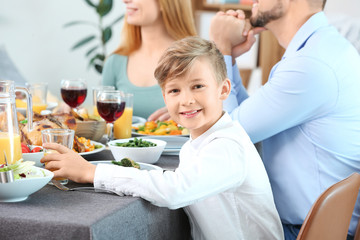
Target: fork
(64, 188)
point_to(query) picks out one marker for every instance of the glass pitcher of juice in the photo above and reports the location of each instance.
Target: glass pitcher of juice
(9, 129)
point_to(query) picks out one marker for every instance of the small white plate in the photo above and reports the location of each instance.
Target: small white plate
(136, 119)
(143, 166)
(50, 106)
(96, 150)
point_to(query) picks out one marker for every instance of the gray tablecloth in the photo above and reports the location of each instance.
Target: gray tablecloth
(54, 214)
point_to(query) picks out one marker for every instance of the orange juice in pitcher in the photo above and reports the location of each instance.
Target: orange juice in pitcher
(10, 144)
(9, 129)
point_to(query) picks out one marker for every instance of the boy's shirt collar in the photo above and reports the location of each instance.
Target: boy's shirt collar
(223, 121)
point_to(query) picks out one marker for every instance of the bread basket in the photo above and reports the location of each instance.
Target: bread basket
(93, 130)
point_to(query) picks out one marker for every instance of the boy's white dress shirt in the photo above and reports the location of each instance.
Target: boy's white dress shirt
(221, 183)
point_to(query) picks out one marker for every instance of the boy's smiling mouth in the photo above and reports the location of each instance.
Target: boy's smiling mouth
(191, 113)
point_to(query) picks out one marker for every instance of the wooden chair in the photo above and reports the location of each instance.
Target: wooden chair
(329, 217)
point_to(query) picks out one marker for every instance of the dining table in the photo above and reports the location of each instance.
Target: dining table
(51, 213)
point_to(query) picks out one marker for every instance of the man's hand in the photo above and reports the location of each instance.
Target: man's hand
(226, 30)
(232, 34)
(245, 46)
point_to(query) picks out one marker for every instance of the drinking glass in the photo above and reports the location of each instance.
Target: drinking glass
(123, 125)
(39, 94)
(61, 136)
(73, 92)
(110, 105)
(95, 93)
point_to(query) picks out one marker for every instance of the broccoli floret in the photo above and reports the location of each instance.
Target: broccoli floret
(127, 162)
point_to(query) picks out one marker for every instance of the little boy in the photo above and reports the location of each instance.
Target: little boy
(221, 182)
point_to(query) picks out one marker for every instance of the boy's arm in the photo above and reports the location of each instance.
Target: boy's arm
(197, 178)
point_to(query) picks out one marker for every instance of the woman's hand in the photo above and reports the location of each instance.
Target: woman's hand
(161, 114)
(68, 164)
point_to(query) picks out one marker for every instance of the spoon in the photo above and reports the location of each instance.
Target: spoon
(7, 176)
(64, 188)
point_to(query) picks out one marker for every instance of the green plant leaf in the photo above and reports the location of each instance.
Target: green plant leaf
(83, 41)
(98, 68)
(90, 3)
(91, 50)
(79, 22)
(106, 35)
(99, 57)
(117, 20)
(104, 7)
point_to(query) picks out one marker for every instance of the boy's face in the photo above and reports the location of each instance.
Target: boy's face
(195, 99)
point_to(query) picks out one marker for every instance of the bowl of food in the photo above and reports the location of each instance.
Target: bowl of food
(137, 149)
(32, 153)
(28, 180)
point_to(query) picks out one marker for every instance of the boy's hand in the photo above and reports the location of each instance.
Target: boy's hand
(161, 114)
(68, 163)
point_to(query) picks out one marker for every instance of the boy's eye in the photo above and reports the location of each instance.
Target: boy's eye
(198, 86)
(174, 91)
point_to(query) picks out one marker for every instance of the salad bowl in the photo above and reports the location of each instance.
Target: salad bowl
(20, 189)
(144, 154)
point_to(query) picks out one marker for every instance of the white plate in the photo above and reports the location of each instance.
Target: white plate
(50, 106)
(19, 190)
(136, 120)
(162, 137)
(173, 143)
(95, 150)
(143, 166)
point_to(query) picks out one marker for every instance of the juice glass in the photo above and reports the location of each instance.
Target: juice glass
(123, 125)
(64, 137)
(10, 144)
(39, 96)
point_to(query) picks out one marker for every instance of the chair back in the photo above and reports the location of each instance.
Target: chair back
(330, 215)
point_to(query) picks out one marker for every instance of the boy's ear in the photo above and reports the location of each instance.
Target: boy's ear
(225, 89)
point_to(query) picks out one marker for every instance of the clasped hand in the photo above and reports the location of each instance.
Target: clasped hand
(232, 33)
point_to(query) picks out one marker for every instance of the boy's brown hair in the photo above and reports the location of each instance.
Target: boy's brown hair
(181, 55)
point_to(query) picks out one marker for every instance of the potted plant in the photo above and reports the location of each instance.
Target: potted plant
(97, 51)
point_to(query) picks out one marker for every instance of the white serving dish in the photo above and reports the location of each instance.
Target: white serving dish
(137, 154)
(19, 190)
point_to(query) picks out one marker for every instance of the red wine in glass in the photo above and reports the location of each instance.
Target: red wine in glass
(73, 97)
(110, 110)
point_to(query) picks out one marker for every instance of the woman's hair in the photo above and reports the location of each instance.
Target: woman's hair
(178, 59)
(178, 19)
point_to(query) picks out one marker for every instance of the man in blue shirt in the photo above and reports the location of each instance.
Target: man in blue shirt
(308, 113)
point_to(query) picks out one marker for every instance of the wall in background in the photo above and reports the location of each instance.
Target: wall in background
(344, 7)
(34, 37)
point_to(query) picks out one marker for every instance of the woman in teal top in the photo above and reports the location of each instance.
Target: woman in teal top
(146, 99)
(150, 27)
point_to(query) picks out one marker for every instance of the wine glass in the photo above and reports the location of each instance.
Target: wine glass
(73, 92)
(110, 105)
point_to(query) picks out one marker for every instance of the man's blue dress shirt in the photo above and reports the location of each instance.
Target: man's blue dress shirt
(307, 116)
